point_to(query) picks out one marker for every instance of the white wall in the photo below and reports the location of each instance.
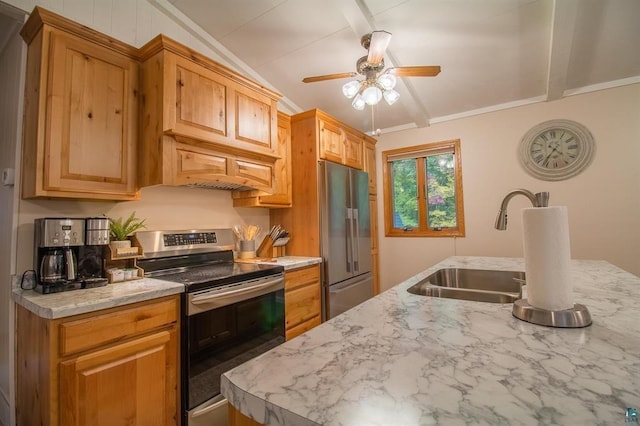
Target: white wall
(603, 201)
(11, 60)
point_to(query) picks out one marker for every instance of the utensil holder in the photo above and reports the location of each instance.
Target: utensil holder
(247, 249)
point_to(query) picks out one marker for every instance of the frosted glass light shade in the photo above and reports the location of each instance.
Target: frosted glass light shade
(351, 88)
(358, 102)
(387, 81)
(372, 95)
(391, 96)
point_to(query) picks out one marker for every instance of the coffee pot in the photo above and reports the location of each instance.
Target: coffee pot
(58, 265)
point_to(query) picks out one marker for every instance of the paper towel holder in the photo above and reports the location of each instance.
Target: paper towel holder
(576, 317)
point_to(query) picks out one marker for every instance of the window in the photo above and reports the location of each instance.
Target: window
(423, 191)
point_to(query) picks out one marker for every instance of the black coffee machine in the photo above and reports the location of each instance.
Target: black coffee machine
(62, 259)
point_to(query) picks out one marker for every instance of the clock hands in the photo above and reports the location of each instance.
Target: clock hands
(546, 160)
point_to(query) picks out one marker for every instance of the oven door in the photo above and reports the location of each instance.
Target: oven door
(225, 327)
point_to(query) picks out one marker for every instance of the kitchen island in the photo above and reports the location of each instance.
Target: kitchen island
(405, 359)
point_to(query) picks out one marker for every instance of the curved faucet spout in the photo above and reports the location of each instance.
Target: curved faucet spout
(540, 199)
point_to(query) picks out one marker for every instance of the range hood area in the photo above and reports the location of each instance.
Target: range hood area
(203, 124)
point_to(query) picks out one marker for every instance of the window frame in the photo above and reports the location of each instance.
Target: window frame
(419, 152)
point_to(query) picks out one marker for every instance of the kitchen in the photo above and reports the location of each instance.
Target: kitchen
(603, 220)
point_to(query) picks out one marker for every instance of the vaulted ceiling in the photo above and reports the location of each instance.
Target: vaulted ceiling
(493, 53)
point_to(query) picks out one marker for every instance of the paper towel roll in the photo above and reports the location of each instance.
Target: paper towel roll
(547, 257)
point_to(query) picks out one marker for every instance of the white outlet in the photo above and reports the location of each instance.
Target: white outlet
(8, 176)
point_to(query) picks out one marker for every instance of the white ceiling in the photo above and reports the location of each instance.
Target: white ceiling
(493, 53)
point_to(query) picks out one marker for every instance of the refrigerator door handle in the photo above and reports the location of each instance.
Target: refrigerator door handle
(349, 241)
(356, 245)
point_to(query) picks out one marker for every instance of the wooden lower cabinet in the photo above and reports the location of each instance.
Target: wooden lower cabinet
(302, 300)
(112, 367)
(236, 418)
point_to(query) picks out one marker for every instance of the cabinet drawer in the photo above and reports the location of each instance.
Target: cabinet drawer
(301, 328)
(302, 277)
(302, 304)
(90, 332)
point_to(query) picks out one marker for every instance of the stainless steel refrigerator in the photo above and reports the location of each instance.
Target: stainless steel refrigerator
(345, 237)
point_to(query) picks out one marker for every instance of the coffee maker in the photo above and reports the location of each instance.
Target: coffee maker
(62, 259)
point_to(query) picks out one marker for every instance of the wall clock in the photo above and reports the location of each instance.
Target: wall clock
(556, 149)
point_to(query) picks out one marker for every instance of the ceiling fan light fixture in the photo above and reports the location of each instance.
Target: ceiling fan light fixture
(387, 81)
(372, 95)
(351, 88)
(358, 102)
(391, 96)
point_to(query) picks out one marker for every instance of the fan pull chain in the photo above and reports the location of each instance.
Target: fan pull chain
(374, 131)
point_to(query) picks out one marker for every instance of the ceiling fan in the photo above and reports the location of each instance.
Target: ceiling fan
(377, 82)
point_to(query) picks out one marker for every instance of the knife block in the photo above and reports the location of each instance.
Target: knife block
(266, 247)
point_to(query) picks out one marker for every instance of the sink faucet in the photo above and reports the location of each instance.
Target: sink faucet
(540, 199)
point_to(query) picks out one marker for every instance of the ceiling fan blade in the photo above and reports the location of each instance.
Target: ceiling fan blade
(328, 77)
(377, 46)
(419, 71)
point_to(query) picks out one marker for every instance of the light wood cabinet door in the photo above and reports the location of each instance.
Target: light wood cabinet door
(331, 142)
(200, 101)
(210, 107)
(370, 165)
(353, 151)
(339, 145)
(302, 300)
(81, 113)
(282, 185)
(122, 384)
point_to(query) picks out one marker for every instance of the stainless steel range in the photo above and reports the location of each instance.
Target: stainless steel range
(231, 312)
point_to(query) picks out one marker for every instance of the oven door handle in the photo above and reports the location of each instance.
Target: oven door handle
(233, 296)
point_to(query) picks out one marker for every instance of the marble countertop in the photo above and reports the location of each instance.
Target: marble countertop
(64, 304)
(288, 262)
(404, 359)
(59, 305)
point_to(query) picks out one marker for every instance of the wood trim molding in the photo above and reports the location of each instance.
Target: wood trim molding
(40, 17)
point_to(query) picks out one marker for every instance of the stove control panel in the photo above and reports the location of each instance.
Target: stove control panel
(172, 240)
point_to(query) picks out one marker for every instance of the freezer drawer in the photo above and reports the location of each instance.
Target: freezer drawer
(347, 294)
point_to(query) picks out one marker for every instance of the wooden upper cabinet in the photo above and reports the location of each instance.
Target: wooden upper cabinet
(203, 123)
(282, 193)
(332, 140)
(370, 164)
(336, 141)
(81, 112)
(200, 100)
(353, 151)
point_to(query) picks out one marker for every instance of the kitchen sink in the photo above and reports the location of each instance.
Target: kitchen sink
(472, 284)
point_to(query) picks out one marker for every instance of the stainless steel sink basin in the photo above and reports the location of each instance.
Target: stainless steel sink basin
(471, 284)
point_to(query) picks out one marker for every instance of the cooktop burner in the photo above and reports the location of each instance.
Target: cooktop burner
(196, 277)
(199, 259)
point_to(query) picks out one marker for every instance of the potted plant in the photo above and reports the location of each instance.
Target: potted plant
(121, 229)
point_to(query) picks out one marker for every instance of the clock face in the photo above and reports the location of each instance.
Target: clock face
(556, 149)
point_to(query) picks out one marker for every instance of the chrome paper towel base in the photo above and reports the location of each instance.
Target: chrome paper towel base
(576, 317)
